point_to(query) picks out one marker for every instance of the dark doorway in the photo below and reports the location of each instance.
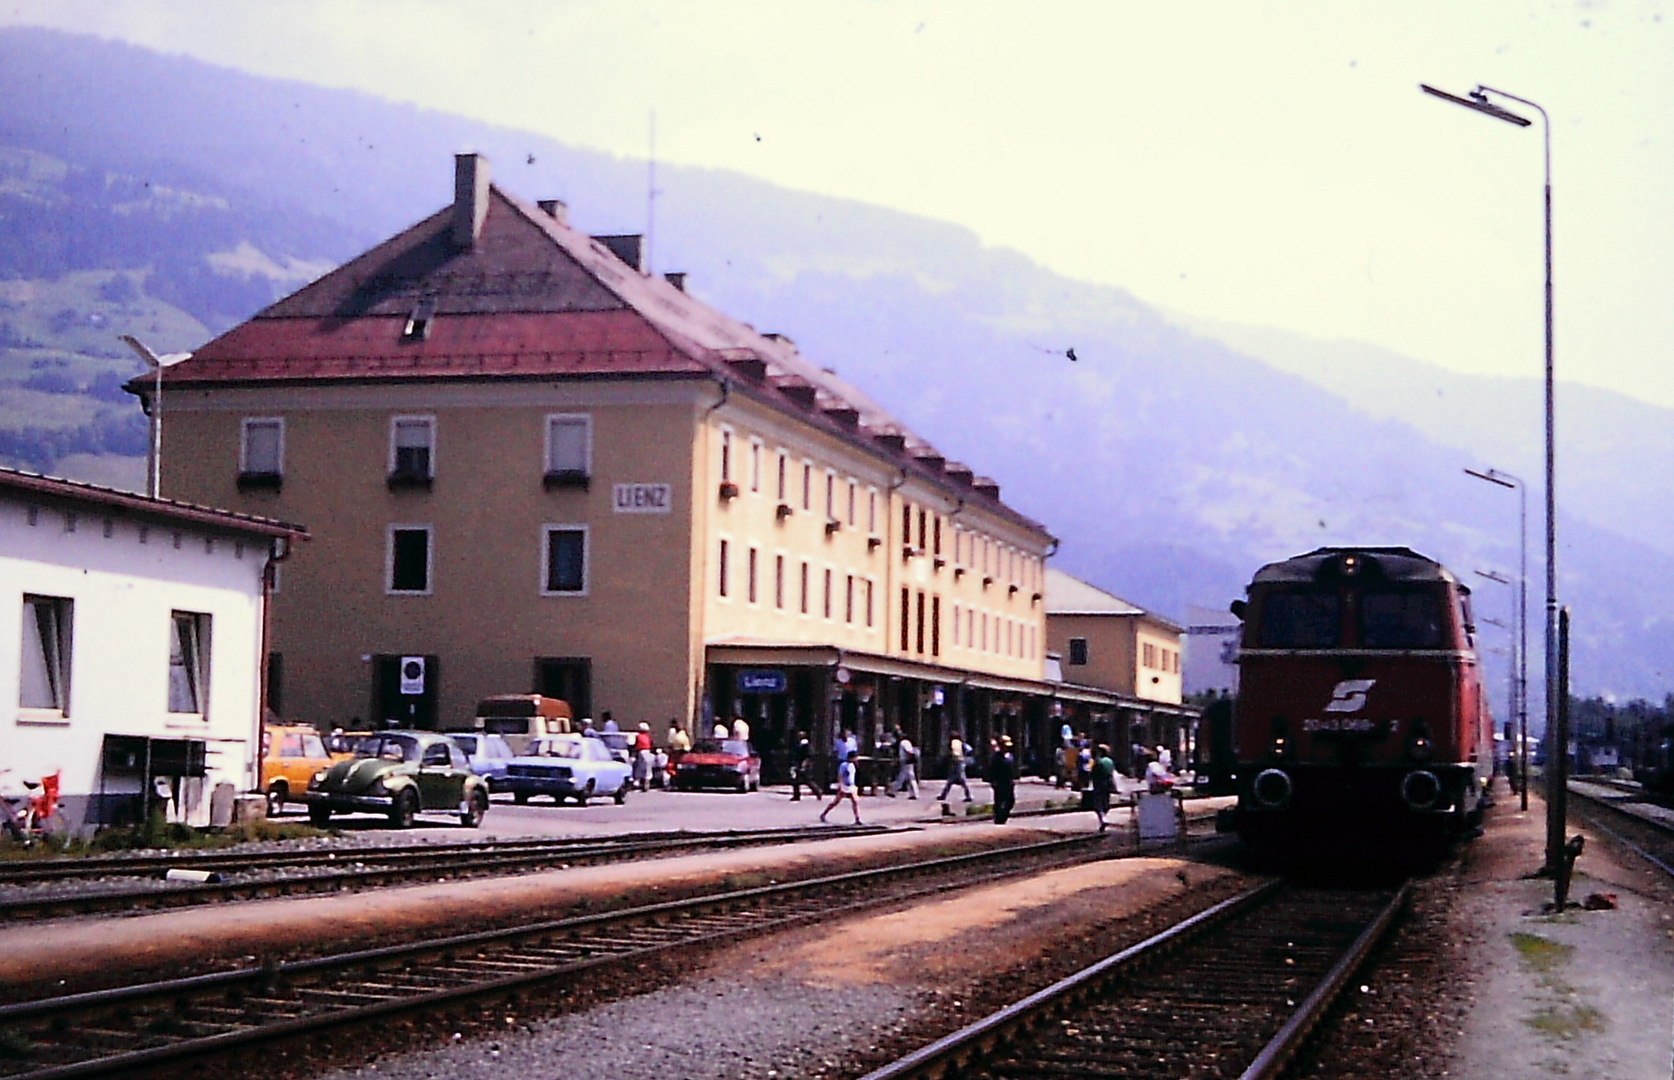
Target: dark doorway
(567, 678)
(391, 707)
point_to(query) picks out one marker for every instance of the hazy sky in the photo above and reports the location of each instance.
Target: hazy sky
(1264, 163)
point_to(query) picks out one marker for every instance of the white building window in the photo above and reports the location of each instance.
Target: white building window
(412, 449)
(752, 589)
(569, 447)
(564, 560)
(872, 510)
(782, 476)
(189, 664)
(407, 569)
(755, 465)
(262, 448)
(47, 626)
(726, 456)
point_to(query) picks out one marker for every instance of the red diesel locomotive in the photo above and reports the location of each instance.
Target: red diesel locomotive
(1360, 727)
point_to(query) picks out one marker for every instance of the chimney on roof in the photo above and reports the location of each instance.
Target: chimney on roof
(677, 278)
(470, 199)
(626, 247)
(556, 210)
(984, 486)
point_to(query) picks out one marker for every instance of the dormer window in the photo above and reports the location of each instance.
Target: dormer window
(418, 323)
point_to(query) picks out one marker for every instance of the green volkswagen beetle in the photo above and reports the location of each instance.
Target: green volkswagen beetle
(401, 774)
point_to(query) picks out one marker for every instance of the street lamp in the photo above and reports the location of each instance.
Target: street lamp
(1556, 741)
(1521, 704)
(154, 462)
(1514, 698)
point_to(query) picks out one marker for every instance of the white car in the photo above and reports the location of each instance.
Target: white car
(567, 767)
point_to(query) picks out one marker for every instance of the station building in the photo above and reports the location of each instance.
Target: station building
(1103, 642)
(132, 660)
(530, 466)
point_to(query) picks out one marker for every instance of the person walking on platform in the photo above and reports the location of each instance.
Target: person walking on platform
(1002, 774)
(955, 769)
(802, 756)
(740, 729)
(846, 789)
(906, 775)
(642, 757)
(677, 738)
(1104, 782)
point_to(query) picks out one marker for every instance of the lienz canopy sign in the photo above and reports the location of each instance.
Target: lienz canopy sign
(762, 682)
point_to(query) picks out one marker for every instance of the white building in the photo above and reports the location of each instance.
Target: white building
(132, 662)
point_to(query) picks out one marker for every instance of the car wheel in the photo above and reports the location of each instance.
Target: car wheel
(520, 797)
(405, 810)
(276, 798)
(621, 795)
(584, 794)
(478, 806)
(319, 816)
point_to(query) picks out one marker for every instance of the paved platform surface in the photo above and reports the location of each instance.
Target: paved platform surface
(1581, 995)
(657, 810)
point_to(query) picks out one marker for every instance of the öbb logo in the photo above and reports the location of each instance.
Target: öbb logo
(1350, 695)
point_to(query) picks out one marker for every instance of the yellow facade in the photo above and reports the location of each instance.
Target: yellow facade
(652, 597)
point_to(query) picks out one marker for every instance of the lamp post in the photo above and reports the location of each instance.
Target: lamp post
(1556, 742)
(1521, 698)
(154, 462)
(1514, 696)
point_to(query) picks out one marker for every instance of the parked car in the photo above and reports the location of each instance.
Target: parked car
(401, 774)
(568, 767)
(487, 755)
(290, 758)
(621, 744)
(729, 763)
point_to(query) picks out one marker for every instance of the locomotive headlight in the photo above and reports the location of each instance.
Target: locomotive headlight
(1272, 788)
(1419, 746)
(1280, 747)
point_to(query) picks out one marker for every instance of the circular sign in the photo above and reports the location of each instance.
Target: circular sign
(412, 669)
(843, 675)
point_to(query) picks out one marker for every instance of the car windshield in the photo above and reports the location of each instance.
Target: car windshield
(560, 748)
(396, 748)
(1300, 620)
(735, 747)
(1400, 620)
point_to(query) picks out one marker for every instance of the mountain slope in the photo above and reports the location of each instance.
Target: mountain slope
(1170, 464)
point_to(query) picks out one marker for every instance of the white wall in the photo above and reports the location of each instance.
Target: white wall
(125, 587)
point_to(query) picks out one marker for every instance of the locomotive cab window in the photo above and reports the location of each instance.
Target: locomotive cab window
(1401, 620)
(1300, 620)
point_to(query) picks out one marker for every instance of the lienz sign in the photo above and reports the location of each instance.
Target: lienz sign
(642, 498)
(762, 682)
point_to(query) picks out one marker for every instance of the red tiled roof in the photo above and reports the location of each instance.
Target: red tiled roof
(531, 298)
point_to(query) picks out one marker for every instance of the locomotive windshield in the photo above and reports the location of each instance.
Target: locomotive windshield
(1401, 620)
(1300, 619)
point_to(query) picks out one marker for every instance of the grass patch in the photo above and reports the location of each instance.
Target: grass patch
(156, 835)
(1540, 954)
(1566, 1021)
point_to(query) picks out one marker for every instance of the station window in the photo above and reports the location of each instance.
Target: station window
(566, 560)
(804, 588)
(781, 489)
(827, 608)
(935, 626)
(755, 465)
(189, 663)
(262, 452)
(721, 569)
(779, 582)
(1078, 651)
(407, 570)
(569, 446)
(726, 455)
(868, 602)
(752, 575)
(47, 627)
(807, 485)
(848, 599)
(412, 449)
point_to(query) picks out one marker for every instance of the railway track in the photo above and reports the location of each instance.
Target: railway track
(1646, 829)
(1230, 993)
(128, 1030)
(344, 868)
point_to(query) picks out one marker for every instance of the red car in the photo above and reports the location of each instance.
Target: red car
(724, 763)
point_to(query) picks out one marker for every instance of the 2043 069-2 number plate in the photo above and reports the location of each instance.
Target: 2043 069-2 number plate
(1358, 724)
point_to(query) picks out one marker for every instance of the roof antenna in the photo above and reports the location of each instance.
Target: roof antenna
(651, 195)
